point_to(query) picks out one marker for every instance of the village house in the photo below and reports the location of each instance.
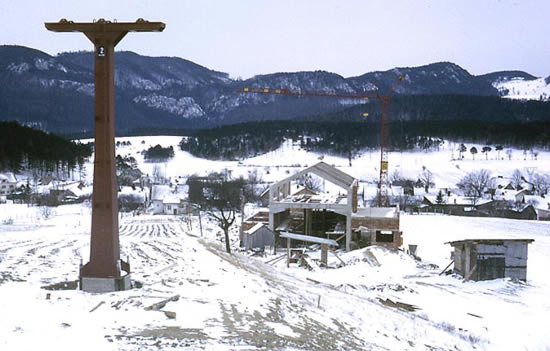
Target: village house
(453, 204)
(465, 206)
(8, 183)
(540, 204)
(168, 200)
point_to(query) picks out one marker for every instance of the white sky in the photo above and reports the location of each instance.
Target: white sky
(348, 37)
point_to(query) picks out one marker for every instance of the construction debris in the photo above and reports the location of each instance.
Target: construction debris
(170, 314)
(96, 307)
(396, 304)
(157, 306)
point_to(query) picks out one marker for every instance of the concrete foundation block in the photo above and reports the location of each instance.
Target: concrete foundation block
(104, 285)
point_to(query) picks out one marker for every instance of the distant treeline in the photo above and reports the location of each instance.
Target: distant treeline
(447, 108)
(158, 153)
(344, 138)
(26, 148)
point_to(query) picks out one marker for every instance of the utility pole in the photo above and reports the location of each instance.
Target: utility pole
(104, 271)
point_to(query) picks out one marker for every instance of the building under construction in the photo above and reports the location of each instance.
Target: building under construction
(332, 216)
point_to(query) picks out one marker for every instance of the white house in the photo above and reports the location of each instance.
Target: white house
(166, 200)
(7, 183)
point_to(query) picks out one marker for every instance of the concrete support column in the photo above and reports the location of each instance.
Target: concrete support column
(104, 271)
(348, 232)
(324, 254)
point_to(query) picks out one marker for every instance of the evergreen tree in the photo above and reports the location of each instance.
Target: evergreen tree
(473, 151)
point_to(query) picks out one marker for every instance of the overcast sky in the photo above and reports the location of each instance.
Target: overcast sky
(348, 37)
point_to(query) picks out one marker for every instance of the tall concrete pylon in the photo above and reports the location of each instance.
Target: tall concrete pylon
(104, 271)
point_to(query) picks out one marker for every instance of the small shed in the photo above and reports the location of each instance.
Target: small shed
(259, 236)
(486, 259)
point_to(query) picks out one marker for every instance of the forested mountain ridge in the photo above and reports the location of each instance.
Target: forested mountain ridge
(56, 92)
(24, 148)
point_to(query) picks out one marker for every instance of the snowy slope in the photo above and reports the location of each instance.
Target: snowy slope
(233, 302)
(519, 88)
(236, 302)
(290, 158)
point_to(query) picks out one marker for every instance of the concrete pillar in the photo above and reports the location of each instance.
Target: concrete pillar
(324, 254)
(104, 272)
(348, 232)
(466, 260)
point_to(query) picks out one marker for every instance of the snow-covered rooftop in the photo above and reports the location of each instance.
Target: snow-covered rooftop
(377, 212)
(160, 192)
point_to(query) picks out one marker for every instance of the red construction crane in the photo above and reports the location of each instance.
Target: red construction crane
(383, 199)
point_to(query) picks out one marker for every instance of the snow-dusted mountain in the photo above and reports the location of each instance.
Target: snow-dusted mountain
(56, 92)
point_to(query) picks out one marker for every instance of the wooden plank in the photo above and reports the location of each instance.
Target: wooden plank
(449, 265)
(166, 268)
(157, 306)
(314, 267)
(97, 306)
(338, 257)
(470, 273)
(275, 259)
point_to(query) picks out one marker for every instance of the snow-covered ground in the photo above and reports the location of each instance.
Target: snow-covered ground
(289, 158)
(519, 88)
(237, 302)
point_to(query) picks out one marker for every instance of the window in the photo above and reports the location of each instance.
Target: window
(384, 236)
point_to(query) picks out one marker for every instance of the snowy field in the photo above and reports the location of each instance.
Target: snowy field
(381, 300)
(289, 158)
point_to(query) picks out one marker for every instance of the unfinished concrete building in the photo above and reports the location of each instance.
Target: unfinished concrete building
(331, 216)
(486, 259)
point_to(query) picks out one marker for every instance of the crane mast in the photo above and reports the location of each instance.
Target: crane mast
(383, 198)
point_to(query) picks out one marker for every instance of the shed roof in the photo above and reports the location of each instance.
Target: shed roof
(308, 238)
(327, 172)
(488, 241)
(255, 228)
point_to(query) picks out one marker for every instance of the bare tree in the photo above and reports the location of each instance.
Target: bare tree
(474, 184)
(158, 174)
(395, 176)
(517, 179)
(427, 179)
(541, 183)
(509, 153)
(310, 182)
(220, 198)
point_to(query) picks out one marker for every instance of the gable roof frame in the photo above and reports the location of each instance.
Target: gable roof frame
(325, 171)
